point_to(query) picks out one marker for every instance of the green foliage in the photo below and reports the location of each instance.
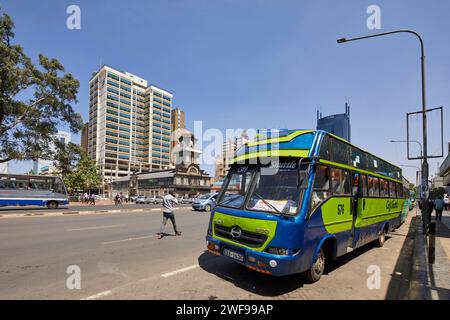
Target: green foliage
(66, 157)
(83, 177)
(34, 100)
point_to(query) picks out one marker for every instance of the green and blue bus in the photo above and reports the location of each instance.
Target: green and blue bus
(292, 202)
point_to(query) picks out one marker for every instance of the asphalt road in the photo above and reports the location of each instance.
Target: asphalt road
(120, 257)
(39, 209)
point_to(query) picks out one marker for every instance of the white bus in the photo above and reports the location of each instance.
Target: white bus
(32, 190)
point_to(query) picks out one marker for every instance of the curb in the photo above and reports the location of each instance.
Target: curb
(44, 214)
(419, 288)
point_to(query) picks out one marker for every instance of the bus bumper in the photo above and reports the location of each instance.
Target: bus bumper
(263, 262)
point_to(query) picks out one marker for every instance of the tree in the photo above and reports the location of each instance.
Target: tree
(84, 177)
(66, 157)
(34, 100)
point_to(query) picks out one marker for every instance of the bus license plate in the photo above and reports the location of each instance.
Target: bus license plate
(233, 254)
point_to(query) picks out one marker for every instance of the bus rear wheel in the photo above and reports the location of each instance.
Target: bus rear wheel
(315, 273)
(52, 205)
(381, 239)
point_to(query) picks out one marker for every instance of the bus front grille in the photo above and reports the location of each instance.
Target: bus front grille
(251, 239)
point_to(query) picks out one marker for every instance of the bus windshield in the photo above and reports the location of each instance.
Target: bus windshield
(278, 192)
(276, 188)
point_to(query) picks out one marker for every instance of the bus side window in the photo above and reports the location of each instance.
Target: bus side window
(325, 148)
(340, 181)
(399, 190)
(363, 190)
(384, 192)
(392, 191)
(321, 189)
(374, 187)
(356, 177)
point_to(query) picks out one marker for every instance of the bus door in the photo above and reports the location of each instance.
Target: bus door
(355, 206)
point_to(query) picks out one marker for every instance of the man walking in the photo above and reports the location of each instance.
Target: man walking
(439, 206)
(168, 202)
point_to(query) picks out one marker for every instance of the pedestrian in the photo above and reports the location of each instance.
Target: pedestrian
(447, 202)
(85, 198)
(168, 202)
(92, 199)
(438, 207)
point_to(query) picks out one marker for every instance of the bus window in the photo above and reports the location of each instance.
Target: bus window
(321, 186)
(392, 188)
(277, 192)
(374, 187)
(384, 192)
(363, 190)
(340, 181)
(325, 148)
(340, 152)
(19, 183)
(399, 190)
(355, 183)
(236, 187)
(38, 184)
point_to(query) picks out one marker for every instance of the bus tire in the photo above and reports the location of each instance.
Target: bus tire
(52, 205)
(315, 273)
(381, 239)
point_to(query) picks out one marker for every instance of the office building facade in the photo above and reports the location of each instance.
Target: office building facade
(129, 124)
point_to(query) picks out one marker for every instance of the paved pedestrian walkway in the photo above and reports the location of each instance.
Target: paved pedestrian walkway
(432, 281)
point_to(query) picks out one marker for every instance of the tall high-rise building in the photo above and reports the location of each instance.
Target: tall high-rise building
(129, 124)
(338, 124)
(178, 122)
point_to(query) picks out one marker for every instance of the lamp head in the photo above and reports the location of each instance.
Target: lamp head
(342, 40)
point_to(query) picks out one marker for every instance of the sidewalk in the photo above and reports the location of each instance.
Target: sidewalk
(432, 281)
(107, 202)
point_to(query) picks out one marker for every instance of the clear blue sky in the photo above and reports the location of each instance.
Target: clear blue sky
(258, 64)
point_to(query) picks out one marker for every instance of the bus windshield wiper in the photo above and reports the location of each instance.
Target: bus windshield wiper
(267, 203)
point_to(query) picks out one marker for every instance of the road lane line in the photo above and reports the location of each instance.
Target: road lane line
(99, 295)
(128, 239)
(165, 275)
(98, 227)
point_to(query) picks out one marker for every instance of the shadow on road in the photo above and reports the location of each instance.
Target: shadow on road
(261, 284)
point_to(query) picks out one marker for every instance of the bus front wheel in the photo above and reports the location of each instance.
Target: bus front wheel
(317, 269)
(52, 205)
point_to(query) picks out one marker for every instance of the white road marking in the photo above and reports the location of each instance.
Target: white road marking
(128, 239)
(156, 209)
(99, 295)
(95, 228)
(165, 275)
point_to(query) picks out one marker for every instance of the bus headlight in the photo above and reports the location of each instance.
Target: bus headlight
(278, 251)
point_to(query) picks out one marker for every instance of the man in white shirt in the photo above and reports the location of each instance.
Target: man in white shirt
(168, 202)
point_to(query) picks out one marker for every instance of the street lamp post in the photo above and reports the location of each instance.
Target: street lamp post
(406, 141)
(425, 212)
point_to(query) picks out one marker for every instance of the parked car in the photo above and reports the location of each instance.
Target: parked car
(143, 200)
(183, 200)
(205, 202)
(156, 200)
(134, 197)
